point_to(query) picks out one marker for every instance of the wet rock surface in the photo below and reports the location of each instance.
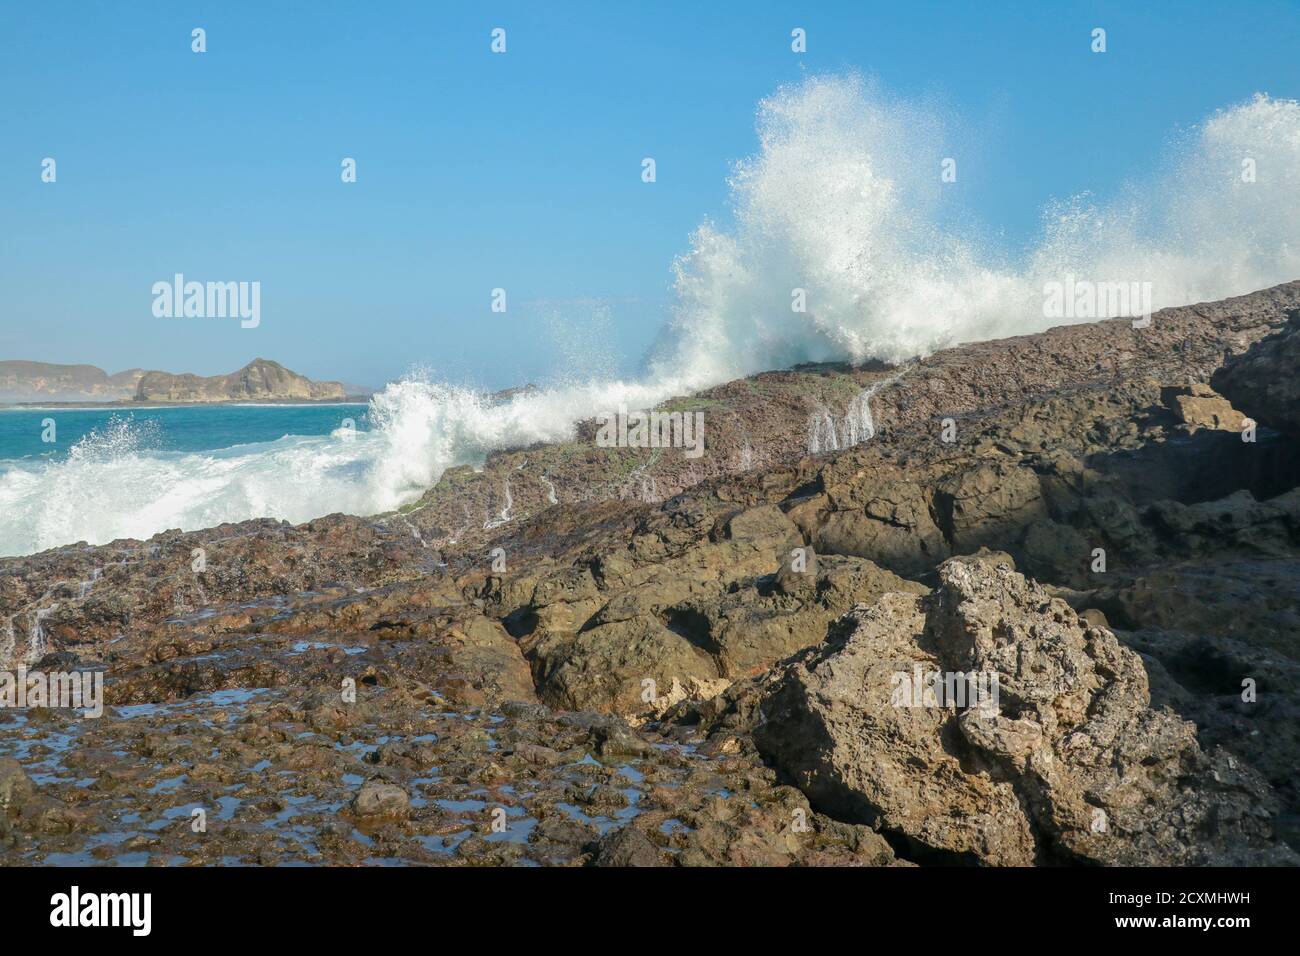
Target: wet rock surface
(265, 776)
(579, 655)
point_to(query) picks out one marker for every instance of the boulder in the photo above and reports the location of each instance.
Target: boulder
(1064, 762)
(377, 798)
(1199, 406)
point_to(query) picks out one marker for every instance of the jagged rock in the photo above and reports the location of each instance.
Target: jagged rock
(980, 503)
(628, 847)
(831, 726)
(24, 806)
(886, 519)
(1072, 765)
(610, 735)
(537, 755)
(608, 667)
(1265, 381)
(1199, 406)
(749, 628)
(594, 647)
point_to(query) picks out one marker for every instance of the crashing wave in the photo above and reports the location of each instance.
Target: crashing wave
(840, 201)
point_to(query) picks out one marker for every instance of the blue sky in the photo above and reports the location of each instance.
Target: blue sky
(520, 170)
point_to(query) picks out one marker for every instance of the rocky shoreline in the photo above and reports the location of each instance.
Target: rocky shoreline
(582, 655)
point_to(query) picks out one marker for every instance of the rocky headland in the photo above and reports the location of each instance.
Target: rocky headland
(259, 380)
(611, 656)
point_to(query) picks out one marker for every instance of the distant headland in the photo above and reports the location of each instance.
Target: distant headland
(261, 380)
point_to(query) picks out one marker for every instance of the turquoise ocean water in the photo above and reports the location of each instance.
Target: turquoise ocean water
(23, 431)
(98, 474)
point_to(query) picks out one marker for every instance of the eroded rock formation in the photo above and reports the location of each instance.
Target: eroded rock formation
(1070, 763)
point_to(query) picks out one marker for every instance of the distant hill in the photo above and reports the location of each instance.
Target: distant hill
(47, 382)
(260, 379)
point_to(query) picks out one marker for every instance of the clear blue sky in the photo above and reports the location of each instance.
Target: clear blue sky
(519, 170)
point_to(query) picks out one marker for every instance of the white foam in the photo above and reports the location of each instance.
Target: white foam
(840, 200)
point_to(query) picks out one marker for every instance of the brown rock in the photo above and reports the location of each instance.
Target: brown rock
(1071, 764)
(377, 798)
(259, 379)
(1265, 381)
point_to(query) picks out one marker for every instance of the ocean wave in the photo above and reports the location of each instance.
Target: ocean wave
(840, 201)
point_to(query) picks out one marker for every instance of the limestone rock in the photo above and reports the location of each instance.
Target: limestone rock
(1071, 766)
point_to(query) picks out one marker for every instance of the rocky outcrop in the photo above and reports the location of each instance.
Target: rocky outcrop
(259, 380)
(1265, 382)
(1039, 388)
(1065, 761)
(567, 617)
(1199, 406)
